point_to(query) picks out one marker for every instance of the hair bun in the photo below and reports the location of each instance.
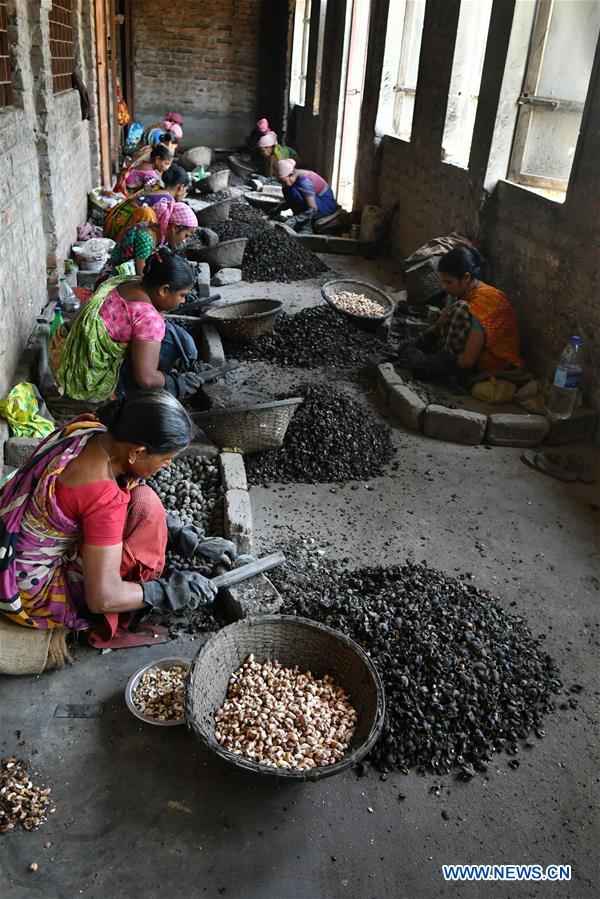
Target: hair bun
(109, 413)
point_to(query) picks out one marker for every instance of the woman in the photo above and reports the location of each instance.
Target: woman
(149, 172)
(272, 151)
(176, 182)
(153, 226)
(82, 542)
(120, 342)
(308, 195)
(477, 330)
(172, 122)
(166, 139)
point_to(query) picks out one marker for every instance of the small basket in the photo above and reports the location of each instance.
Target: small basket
(247, 320)
(227, 254)
(249, 429)
(423, 281)
(292, 641)
(212, 213)
(262, 201)
(213, 182)
(241, 166)
(331, 288)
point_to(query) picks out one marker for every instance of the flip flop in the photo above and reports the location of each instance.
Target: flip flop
(549, 463)
(579, 466)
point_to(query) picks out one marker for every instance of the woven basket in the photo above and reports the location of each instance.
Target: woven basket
(292, 641)
(212, 183)
(228, 254)
(246, 320)
(249, 429)
(262, 201)
(331, 288)
(423, 280)
(215, 212)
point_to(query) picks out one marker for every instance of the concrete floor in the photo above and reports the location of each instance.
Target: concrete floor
(147, 811)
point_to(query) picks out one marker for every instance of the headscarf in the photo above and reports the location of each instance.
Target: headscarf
(285, 167)
(268, 140)
(169, 213)
(173, 117)
(174, 128)
(262, 125)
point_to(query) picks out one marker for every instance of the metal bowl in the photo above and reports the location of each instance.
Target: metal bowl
(134, 681)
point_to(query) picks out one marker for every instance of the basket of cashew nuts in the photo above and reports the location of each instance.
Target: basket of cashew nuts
(285, 697)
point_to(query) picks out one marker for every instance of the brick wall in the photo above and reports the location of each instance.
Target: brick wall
(48, 161)
(201, 59)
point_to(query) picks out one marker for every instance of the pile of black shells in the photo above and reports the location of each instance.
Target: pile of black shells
(315, 336)
(330, 438)
(463, 677)
(277, 256)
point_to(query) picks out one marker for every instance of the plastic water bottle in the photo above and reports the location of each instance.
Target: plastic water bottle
(67, 298)
(566, 380)
(58, 319)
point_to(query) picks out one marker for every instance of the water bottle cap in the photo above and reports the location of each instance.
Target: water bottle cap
(576, 340)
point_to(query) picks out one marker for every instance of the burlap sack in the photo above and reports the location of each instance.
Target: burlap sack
(25, 650)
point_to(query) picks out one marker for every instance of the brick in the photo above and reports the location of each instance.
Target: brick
(202, 273)
(579, 428)
(256, 596)
(212, 346)
(226, 276)
(238, 519)
(387, 377)
(407, 406)
(454, 425)
(18, 449)
(233, 471)
(516, 430)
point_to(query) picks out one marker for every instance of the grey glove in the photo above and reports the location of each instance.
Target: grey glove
(304, 221)
(183, 539)
(214, 548)
(183, 590)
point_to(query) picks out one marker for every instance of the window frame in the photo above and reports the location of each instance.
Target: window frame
(7, 87)
(529, 100)
(401, 89)
(304, 47)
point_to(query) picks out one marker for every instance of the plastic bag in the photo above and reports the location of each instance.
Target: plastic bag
(21, 410)
(494, 391)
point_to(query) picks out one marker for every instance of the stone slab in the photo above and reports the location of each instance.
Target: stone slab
(256, 596)
(407, 406)
(212, 346)
(504, 429)
(202, 282)
(454, 425)
(18, 449)
(233, 471)
(579, 428)
(387, 377)
(238, 519)
(226, 276)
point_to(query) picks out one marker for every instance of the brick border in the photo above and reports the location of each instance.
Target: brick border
(473, 428)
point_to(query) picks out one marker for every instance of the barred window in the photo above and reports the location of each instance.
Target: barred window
(61, 44)
(6, 89)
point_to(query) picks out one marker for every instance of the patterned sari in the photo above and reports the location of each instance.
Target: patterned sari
(497, 318)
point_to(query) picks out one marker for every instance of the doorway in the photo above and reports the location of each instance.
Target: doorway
(356, 40)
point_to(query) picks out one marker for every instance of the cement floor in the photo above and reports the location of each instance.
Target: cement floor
(146, 811)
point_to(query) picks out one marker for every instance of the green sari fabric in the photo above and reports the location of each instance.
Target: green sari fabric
(90, 362)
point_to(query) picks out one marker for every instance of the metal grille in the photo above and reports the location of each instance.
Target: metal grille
(61, 44)
(6, 91)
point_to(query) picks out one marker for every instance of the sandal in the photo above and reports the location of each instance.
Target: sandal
(582, 470)
(549, 463)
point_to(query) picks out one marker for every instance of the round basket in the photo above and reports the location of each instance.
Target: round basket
(213, 182)
(227, 254)
(331, 288)
(136, 678)
(292, 641)
(245, 320)
(262, 201)
(249, 428)
(214, 212)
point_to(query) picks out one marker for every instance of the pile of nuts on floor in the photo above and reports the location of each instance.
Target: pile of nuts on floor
(358, 304)
(22, 804)
(191, 489)
(283, 718)
(160, 693)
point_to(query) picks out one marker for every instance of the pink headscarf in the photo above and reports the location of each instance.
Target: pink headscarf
(170, 213)
(268, 140)
(285, 167)
(262, 125)
(174, 128)
(173, 117)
